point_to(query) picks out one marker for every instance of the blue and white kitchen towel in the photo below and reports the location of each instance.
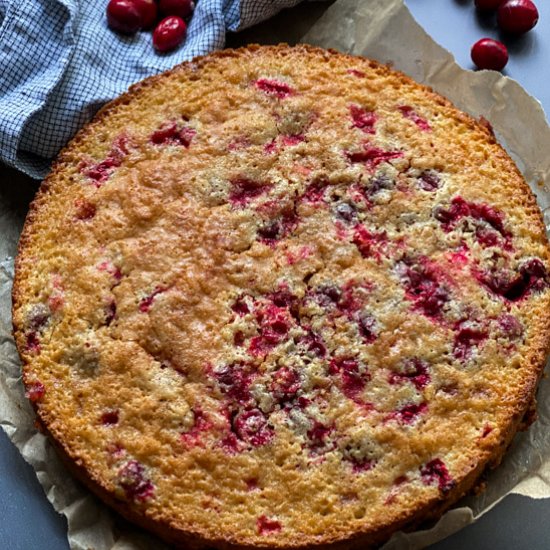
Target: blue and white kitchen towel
(59, 63)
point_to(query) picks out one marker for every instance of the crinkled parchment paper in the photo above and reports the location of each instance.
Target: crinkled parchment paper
(386, 31)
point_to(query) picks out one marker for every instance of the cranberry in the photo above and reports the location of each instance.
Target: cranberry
(169, 33)
(274, 88)
(409, 413)
(234, 381)
(429, 180)
(148, 10)
(363, 119)
(489, 54)
(171, 134)
(517, 16)
(146, 303)
(35, 391)
(317, 436)
(109, 418)
(267, 526)
(415, 370)
(132, 479)
(85, 210)
(243, 190)
(487, 5)
(372, 156)
(110, 312)
(436, 472)
(411, 114)
(181, 8)
(126, 16)
(252, 427)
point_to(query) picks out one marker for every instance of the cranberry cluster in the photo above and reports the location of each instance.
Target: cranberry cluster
(168, 17)
(513, 17)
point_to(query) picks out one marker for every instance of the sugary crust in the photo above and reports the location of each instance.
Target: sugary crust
(489, 452)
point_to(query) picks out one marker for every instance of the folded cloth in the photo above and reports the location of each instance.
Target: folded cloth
(59, 63)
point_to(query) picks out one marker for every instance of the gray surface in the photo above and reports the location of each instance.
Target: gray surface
(29, 522)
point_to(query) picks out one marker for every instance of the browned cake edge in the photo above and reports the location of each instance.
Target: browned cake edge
(430, 509)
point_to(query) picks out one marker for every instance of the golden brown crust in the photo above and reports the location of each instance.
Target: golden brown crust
(489, 452)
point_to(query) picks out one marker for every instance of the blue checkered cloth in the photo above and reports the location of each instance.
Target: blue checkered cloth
(59, 63)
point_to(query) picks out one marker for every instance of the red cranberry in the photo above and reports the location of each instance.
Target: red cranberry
(148, 10)
(125, 16)
(489, 54)
(132, 479)
(169, 33)
(487, 5)
(436, 472)
(181, 8)
(274, 88)
(267, 526)
(517, 16)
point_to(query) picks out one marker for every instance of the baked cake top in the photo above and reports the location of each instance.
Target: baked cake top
(282, 296)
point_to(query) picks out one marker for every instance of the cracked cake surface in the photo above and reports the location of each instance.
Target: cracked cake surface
(282, 297)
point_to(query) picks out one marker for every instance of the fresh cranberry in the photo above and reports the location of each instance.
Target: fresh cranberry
(487, 5)
(489, 54)
(181, 8)
(126, 16)
(148, 10)
(169, 33)
(517, 16)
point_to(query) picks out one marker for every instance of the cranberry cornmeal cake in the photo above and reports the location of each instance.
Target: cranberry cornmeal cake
(282, 298)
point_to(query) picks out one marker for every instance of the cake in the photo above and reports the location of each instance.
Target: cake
(282, 297)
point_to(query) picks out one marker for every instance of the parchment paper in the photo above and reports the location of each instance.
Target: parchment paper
(386, 31)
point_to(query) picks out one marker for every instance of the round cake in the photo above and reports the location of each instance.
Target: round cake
(282, 298)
